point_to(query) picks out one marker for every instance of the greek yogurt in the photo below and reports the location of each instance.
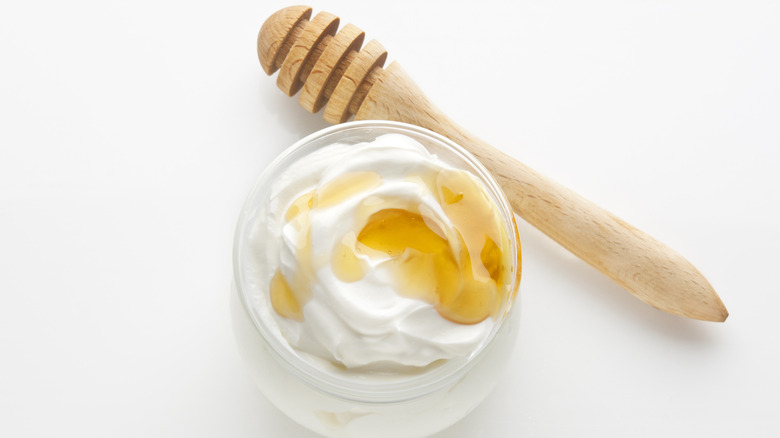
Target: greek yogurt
(379, 257)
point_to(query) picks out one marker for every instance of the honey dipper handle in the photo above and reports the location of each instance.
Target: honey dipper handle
(650, 270)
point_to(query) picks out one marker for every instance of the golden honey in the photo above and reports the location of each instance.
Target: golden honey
(458, 263)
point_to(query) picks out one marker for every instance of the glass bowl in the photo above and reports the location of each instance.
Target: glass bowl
(338, 404)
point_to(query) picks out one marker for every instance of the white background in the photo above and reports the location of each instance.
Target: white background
(130, 133)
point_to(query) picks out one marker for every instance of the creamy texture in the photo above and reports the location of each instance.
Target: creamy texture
(332, 289)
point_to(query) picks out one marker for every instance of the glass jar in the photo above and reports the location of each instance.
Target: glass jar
(340, 405)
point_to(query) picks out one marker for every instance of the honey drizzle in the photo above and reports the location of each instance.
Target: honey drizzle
(345, 186)
(289, 295)
(462, 269)
(347, 265)
(283, 299)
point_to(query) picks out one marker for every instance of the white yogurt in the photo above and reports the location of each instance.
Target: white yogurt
(367, 323)
(361, 356)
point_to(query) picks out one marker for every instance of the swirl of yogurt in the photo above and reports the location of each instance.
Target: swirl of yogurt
(339, 289)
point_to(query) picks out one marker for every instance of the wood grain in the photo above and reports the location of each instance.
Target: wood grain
(650, 270)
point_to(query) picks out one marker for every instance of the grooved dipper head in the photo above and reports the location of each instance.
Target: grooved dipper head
(274, 40)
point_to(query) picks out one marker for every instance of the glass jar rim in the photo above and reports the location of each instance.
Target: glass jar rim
(415, 386)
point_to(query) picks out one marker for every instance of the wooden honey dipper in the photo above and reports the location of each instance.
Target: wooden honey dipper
(331, 70)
